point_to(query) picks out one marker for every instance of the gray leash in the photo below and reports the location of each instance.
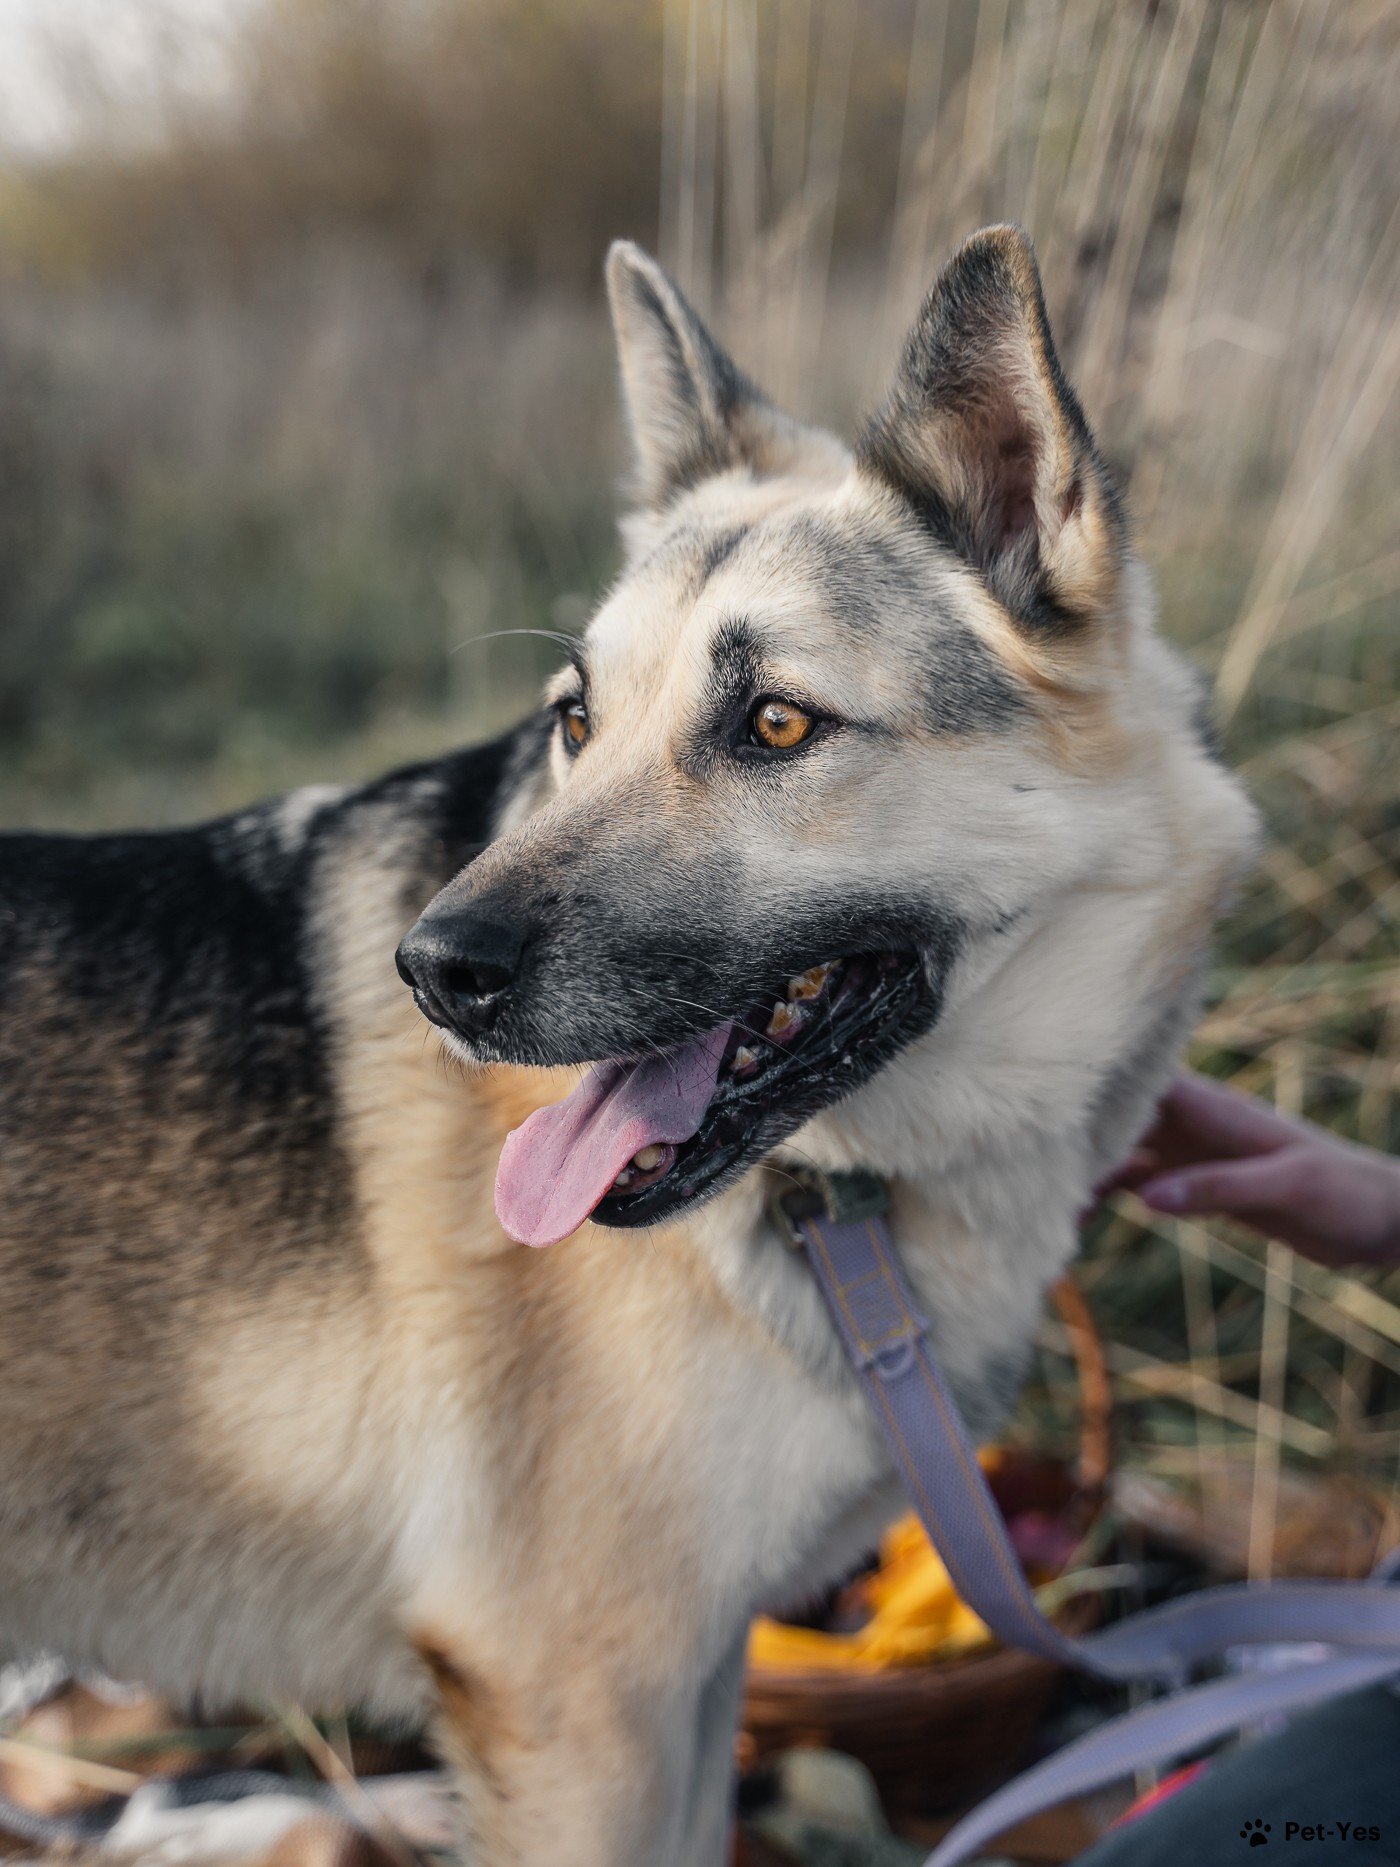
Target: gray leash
(838, 1220)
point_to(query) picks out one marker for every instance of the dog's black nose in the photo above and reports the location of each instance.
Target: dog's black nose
(461, 966)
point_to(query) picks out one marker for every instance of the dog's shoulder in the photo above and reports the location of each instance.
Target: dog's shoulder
(173, 1024)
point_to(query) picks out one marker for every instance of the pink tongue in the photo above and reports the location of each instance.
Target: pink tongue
(557, 1166)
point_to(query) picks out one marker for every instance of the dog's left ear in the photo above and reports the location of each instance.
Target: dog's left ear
(983, 435)
(691, 409)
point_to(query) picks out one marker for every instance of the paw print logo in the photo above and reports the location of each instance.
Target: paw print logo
(1256, 1833)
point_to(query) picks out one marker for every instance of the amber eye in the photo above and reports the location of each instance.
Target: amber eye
(574, 715)
(780, 725)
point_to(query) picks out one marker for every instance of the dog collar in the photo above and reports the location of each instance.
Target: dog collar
(842, 1198)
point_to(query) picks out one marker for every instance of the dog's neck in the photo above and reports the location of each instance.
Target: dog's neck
(991, 1132)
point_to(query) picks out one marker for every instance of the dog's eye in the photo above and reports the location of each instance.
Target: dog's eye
(573, 716)
(780, 725)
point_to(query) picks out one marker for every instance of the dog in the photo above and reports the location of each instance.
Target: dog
(869, 825)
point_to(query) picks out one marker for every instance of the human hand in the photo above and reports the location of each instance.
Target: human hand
(1213, 1151)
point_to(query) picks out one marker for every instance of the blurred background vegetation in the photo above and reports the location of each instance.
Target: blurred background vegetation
(306, 398)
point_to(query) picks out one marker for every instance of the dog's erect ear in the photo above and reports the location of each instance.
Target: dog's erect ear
(984, 436)
(691, 410)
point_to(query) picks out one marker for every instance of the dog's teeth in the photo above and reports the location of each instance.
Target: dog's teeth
(649, 1163)
(785, 1018)
(744, 1061)
(808, 984)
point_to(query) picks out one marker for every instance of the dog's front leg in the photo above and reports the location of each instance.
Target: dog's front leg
(589, 1768)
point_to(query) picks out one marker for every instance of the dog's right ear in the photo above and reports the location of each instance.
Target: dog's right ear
(691, 410)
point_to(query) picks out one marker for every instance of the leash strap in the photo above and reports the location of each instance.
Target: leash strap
(839, 1220)
(1156, 1733)
(887, 1341)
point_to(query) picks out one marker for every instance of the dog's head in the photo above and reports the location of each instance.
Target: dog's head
(838, 728)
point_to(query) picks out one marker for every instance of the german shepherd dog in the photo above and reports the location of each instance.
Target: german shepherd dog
(870, 824)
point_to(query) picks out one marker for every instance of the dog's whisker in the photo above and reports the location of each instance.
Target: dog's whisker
(689, 959)
(719, 1017)
(566, 642)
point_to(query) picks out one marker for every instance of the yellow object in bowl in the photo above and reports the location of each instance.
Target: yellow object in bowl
(916, 1616)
